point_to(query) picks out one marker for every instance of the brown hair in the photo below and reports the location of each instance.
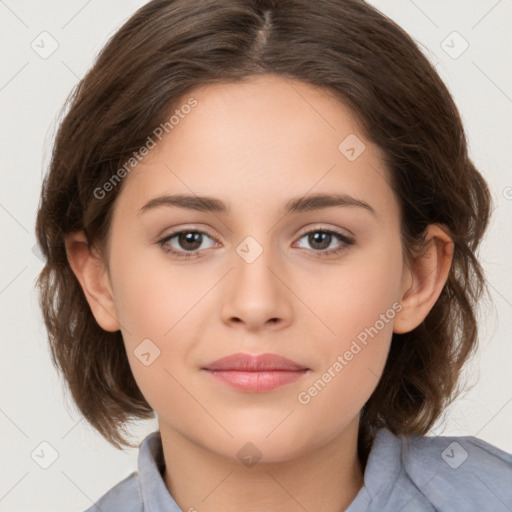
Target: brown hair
(169, 47)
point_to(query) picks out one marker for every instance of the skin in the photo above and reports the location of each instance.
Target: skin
(255, 145)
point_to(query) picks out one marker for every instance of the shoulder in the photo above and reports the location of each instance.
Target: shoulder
(434, 474)
(463, 472)
(125, 496)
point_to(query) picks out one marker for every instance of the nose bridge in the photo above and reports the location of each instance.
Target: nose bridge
(255, 293)
(254, 259)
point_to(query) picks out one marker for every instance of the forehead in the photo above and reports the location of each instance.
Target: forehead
(268, 138)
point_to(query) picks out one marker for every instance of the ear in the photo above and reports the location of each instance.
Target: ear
(90, 270)
(423, 282)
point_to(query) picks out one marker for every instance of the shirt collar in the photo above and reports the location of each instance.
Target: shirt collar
(381, 460)
(151, 464)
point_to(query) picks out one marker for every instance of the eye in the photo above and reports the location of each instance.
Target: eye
(321, 239)
(189, 241)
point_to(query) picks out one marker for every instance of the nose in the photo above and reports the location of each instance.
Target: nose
(255, 296)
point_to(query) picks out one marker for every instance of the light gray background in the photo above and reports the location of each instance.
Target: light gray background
(32, 89)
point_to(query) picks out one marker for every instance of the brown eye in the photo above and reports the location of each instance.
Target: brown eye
(190, 241)
(185, 243)
(321, 239)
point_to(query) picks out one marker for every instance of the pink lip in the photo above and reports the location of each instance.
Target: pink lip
(255, 374)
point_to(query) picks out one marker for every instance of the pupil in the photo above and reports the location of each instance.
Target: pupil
(186, 239)
(322, 237)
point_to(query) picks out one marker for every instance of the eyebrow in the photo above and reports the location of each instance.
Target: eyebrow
(294, 205)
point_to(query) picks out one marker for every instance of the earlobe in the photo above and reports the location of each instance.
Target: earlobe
(424, 281)
(91, 272)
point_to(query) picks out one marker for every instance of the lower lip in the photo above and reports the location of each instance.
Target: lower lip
(257, 382)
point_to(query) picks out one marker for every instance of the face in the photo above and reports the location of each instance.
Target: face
(316, 283)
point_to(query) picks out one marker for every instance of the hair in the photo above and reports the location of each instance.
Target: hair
(348, 48)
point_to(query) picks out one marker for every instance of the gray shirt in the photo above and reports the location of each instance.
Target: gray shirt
(413, 474)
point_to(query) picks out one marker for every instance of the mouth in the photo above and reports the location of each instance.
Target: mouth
(255, 374)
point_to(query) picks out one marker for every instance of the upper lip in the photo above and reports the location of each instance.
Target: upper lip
(249, 363)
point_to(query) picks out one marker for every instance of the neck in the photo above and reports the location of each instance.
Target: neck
(325, 479)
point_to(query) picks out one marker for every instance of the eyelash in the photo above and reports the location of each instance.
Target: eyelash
(319, 254)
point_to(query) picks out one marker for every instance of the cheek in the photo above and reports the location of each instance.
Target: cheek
(358, 304)
(158, 304)
(152, 295)
(362, 293)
